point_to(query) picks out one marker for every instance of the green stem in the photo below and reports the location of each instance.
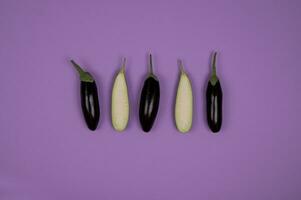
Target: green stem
(123, 65)
(181, 66)
(214, 64)
(77, 67)
(150, 64)
(214, 78)
(84, 76)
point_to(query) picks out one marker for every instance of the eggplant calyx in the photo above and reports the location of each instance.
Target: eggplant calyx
(151, 73)
(213, 80)
(152, 76)
(84, 76)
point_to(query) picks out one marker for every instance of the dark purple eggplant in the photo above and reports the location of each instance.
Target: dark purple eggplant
(214, 100)
(89, 97)
(149, 99)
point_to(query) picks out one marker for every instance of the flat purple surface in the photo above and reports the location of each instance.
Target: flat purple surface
(46, 151)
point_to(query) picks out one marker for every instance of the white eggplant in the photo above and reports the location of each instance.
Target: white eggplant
(184, 103)
(120, 101)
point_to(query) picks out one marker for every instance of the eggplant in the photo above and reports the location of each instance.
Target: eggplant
(184, 102)
(214, 100)
(149, 99)
(120, 107)
(89, 97)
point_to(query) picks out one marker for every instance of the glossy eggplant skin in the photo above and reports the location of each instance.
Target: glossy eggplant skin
(90, 104)
(214, 101)
(149, 103)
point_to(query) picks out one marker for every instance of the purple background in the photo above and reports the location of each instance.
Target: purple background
(46, 151)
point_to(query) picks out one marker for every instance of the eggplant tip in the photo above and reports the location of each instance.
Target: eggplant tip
(215, 130)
